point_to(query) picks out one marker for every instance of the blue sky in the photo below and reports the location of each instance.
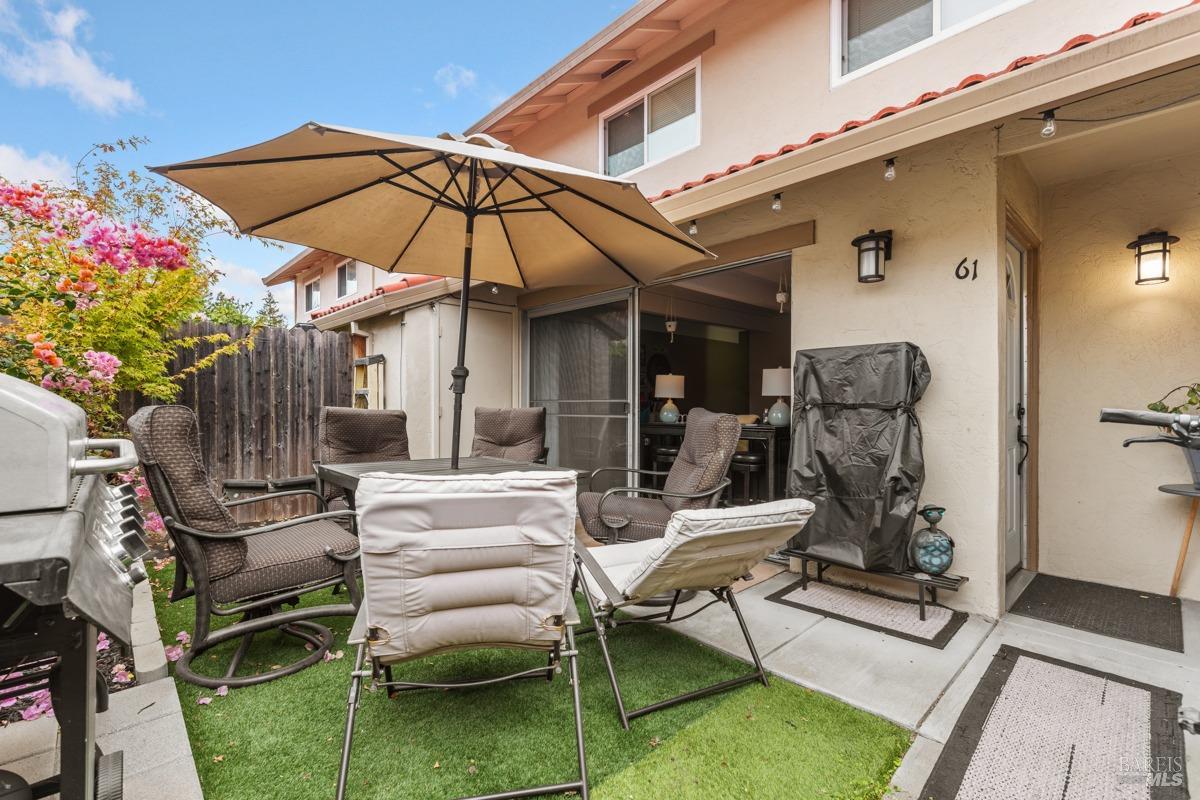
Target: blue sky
(199, 78)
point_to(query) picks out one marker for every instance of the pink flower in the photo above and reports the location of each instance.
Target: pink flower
(203, 701)
(222, 691)
(102, 642)
(173, 653)
(183, 637)
(121, 675)
(154, 524)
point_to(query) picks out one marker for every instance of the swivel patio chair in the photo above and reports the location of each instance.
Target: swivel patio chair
(518, 434)
(703, 550)
(696, 479)
(252, 572)
(465, 562)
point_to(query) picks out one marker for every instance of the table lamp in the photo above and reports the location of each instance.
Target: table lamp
(670, 387)
(778, 382)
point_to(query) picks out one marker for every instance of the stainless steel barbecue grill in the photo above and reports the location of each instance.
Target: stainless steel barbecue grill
(70, 554)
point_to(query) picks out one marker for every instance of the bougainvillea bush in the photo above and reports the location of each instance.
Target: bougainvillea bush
(95, 279)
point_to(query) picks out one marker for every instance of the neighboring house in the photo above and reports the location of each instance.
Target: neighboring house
(778, 131)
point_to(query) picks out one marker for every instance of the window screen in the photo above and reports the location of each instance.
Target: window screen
(346, 281)
(312, 296)
(878, 28)
(625, 141)
(673, 103)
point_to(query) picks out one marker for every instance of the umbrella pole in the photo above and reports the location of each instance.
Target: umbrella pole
(460, 372)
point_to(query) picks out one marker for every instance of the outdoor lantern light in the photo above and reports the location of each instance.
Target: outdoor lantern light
(777, 203)
(889, 169)
(1152, 256)
(873, 250)
(1049, 127)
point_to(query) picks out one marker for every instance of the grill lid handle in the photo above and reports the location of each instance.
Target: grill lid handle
(125, 459)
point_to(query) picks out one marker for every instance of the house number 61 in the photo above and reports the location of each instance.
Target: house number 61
(961, 272)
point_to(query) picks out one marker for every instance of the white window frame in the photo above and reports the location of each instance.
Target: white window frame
(640, 96)
(336, 280)
(837, 37)
(304, 295)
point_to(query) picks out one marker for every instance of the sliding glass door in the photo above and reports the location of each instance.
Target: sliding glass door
(580, 369)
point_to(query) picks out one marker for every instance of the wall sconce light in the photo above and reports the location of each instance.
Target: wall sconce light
(873, 250)
(777, 202)
(693, 228)
(1152, 257)
(889, 170)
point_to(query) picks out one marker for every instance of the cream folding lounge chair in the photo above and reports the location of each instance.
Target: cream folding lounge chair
(702, 550)
(459, 562)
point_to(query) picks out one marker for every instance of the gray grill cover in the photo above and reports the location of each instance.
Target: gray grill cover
(856, 451)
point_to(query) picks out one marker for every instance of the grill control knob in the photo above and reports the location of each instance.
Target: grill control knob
(137, 572)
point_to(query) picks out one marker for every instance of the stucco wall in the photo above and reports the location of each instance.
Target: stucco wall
(942, 207)
(766, 82)
(1108, 342)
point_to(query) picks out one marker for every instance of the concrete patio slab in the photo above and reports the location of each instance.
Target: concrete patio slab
(914, 769)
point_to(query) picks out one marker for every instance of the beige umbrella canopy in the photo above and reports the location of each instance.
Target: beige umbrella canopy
(470, 209)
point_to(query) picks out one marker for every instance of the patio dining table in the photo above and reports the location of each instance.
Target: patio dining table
(346, 476)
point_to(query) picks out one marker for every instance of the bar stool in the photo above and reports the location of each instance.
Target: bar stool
(748, 465)
(664, 457)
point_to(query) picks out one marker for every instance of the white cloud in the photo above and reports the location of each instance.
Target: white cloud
(17, 166)
(59, 61)
(454, 78)
(246, 284)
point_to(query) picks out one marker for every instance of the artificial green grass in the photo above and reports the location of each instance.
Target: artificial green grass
(283, 739)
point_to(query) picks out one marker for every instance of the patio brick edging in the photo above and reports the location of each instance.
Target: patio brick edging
(149, 658)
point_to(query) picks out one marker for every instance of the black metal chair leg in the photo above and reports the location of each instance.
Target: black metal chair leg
(573, 668)
(239, 655)
(351, 710)
(598, 627)
(762, 673)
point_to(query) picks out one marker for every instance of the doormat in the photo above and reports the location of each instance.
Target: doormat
(1151, 619)
(876, 611)
(1037, 728)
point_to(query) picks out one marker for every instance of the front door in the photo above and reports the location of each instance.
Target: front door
(1016, 447)
(579, 369)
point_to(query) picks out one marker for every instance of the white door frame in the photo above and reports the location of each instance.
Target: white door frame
(1016, 407)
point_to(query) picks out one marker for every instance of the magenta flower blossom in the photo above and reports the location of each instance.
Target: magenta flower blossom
(203, 700)
(173, 653)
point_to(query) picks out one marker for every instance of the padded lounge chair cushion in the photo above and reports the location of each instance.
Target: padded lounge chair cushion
(287, 559)
(635, 518)
(518, 434)
(702, 548)
(462, 561)
(709, 441)
(167, 439)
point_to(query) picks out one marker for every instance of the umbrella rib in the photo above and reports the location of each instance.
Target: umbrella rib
(318, 204)
(440, 195)
(578, 232)
(424, 219)
(446, 159)
(504, 227)
(498, 207)
(434, 200)
(686, 242)
(250, 162)
(493, 187)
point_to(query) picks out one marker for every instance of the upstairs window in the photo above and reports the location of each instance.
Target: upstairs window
(875, 29)
(659, 124)
(347, 280)
(312, 294)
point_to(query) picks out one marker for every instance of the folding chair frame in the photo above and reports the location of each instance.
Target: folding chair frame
(605, 617)
(395, 687)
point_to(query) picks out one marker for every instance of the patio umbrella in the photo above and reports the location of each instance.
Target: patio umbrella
(465, 208)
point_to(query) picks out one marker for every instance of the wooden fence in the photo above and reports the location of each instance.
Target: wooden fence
(258, 410)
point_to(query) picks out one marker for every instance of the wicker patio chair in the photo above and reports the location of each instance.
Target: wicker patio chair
(703, 550)
(358, 436)
(252, 572)
(695, 480)
(518, 434)
(463, 562)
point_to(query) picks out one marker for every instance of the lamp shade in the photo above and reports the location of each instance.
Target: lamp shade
(668, 386)
(777, 382)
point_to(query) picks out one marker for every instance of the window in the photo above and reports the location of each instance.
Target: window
(658, 125)
(347, 282)
(312, 294)
(875, 29)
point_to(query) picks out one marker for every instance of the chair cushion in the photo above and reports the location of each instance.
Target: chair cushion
(633, 518)
(618, 562)
(361, 435)
(286, 559)
(518, 434)
(709, 441)
(711, 548)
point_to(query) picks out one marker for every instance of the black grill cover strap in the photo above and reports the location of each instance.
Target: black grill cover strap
(856, 451)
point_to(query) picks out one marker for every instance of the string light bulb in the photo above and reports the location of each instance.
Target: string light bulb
(889, 170)
(693, 228)
(1049, 126)
(777, 202)
(495, 289)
